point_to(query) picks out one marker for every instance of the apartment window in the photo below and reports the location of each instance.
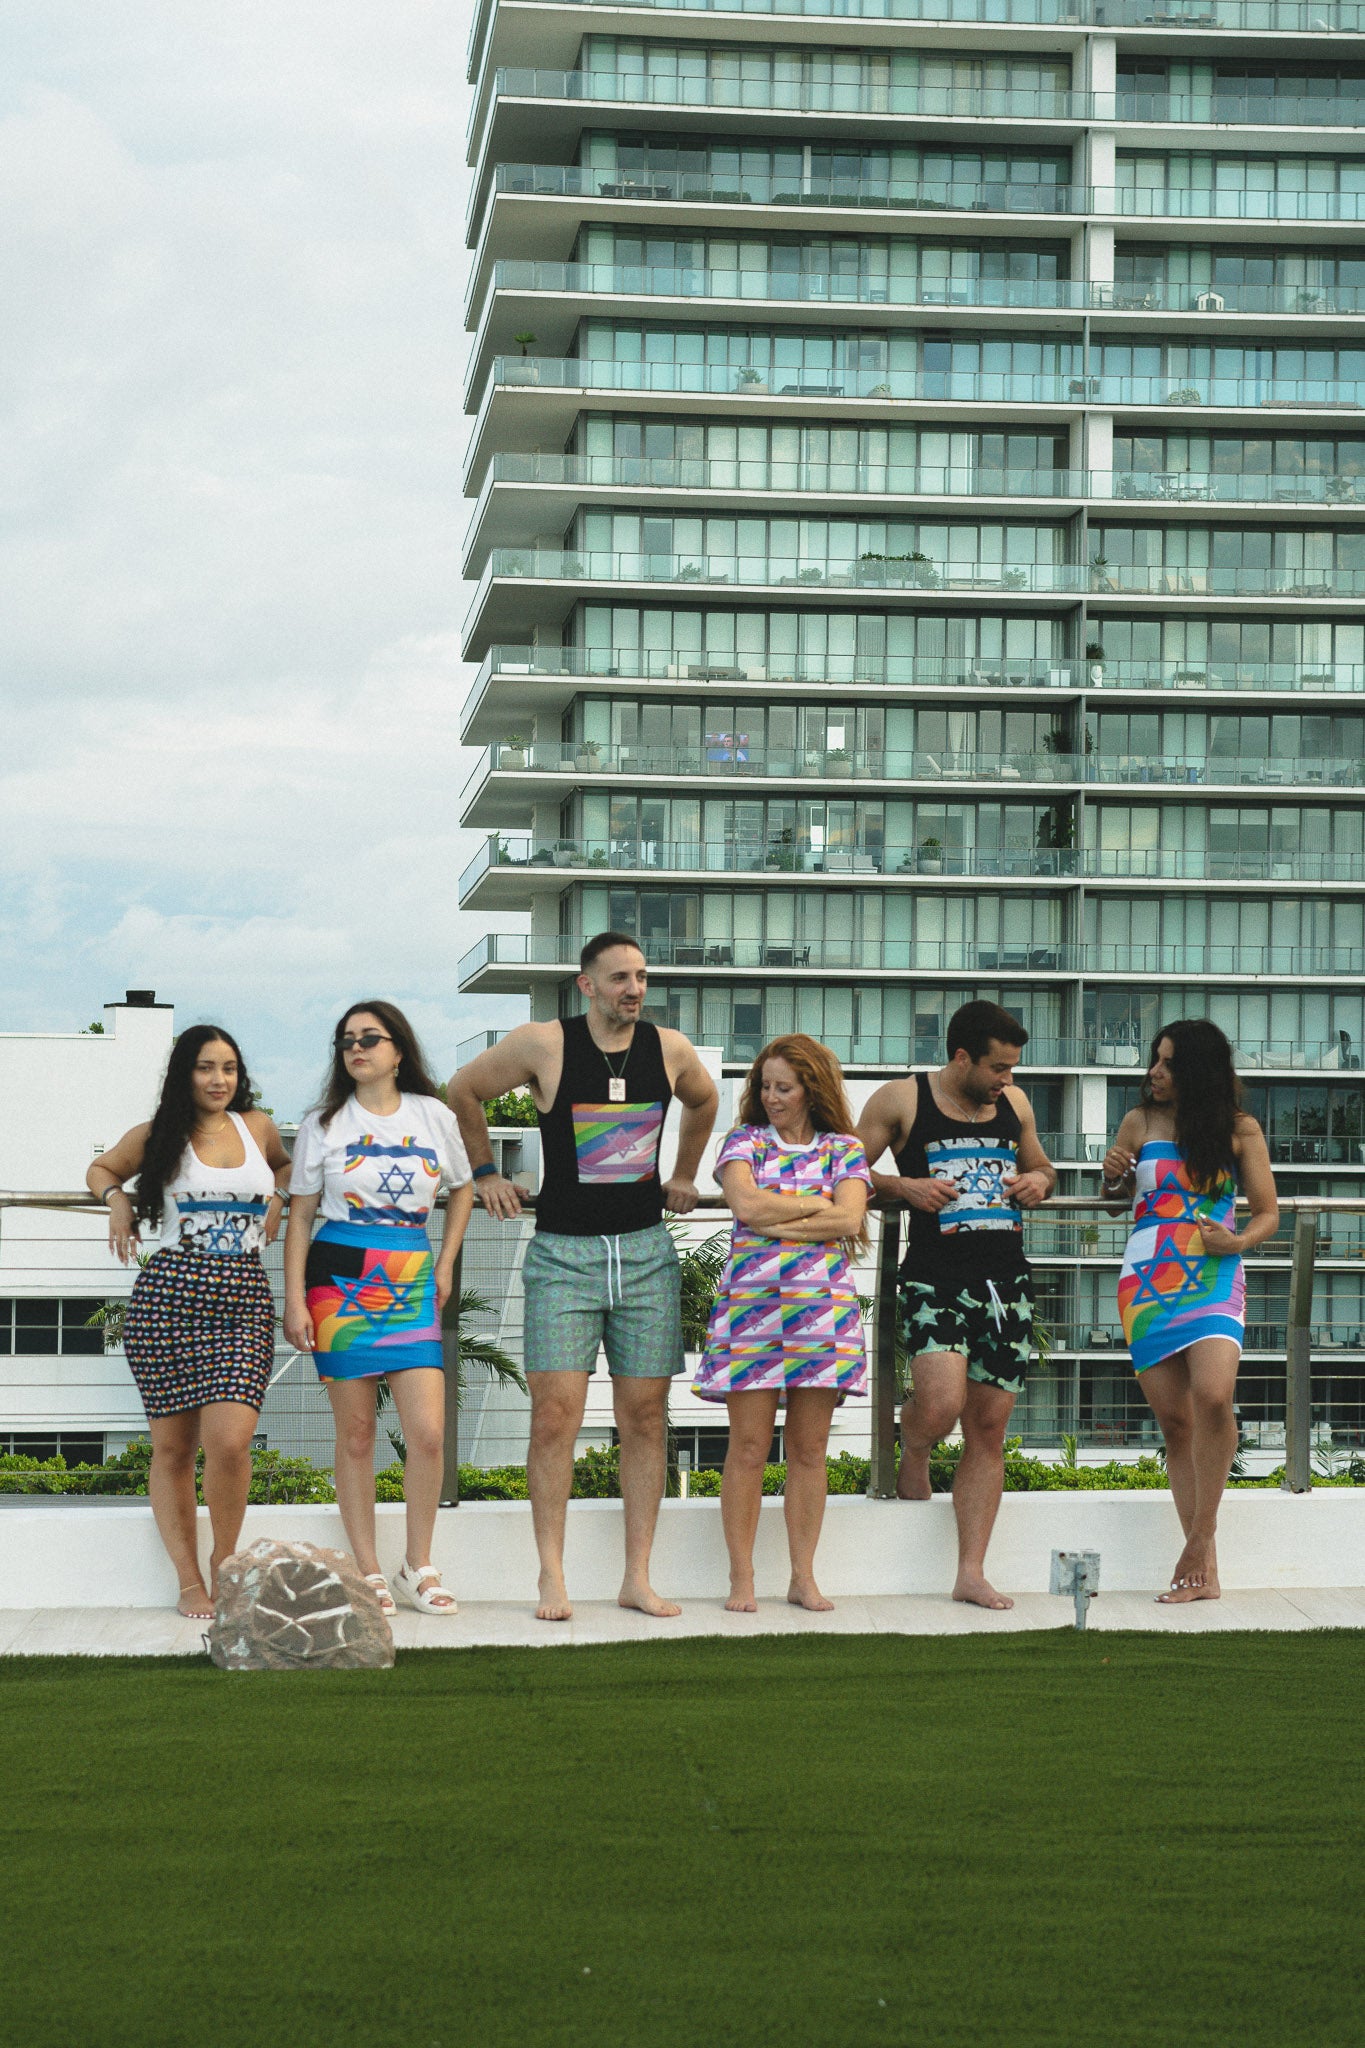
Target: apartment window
(76, 1449)
(48, 1326)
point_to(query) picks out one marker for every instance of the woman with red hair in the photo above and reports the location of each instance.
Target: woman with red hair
(786, 1326)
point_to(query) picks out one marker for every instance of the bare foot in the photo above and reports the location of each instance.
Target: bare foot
(912, 1479)
(639, 1593)
(977, 1591)
(803, 1592)
(554, 1598)
(1195, 1576)
(741, 1600)
(195, 1602)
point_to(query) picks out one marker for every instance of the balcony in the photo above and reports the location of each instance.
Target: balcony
(690, 189)
(625, 281)
(1189, 487)
(1239, 110)
(1207, 202)
(1160, 295)
(730, 758)
(909, 956)
(538, 92)
(1256, 17)
(518, 679)
(578, 374)
(838, 956)
(833, 479)
(517, 852)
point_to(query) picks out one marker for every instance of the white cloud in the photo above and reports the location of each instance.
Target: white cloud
(231, 488)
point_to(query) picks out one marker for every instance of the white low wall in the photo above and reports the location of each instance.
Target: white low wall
(95, 1556)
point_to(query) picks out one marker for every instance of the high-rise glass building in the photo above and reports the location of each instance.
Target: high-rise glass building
(918, 479)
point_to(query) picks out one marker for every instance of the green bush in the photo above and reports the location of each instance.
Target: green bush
(597, 1475)
(516, 1110)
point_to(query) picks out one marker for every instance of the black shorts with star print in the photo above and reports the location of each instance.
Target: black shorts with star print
(989, 1323)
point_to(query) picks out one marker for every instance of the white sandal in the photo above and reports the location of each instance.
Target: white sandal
(412, 1582)
(388, 1606)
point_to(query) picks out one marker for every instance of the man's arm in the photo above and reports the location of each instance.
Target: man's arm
(516, 1061)
(1037, 1176)
(884, 1125)
(696, 1091)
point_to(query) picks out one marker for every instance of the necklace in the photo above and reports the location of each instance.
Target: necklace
(616, 1085)
(203, 1131)
(976, 1113)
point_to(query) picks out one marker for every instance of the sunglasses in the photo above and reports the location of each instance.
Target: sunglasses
(365, 1040)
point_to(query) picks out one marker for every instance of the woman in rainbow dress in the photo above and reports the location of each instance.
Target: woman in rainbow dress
(365, 1296)
(1178, 1157)
(786, 1327)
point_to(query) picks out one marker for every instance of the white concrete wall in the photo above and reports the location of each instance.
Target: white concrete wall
(85, 1555)
(64, 1098)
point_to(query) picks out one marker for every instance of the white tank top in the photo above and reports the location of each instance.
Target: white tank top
(218, 1209)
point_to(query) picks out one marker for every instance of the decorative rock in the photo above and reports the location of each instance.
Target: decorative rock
(296, 1607)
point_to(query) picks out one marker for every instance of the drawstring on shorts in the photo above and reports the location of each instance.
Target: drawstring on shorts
(997, 1305)
(609, 1242)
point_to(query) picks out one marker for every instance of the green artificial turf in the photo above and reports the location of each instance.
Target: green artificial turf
(1050, 1839)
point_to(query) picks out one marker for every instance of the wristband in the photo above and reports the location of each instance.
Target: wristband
(116, 1189)
(482, 1172)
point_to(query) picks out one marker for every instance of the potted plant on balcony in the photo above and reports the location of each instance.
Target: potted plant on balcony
(931, 856)
(750, 381)
(1094, 654)
(525, 342)
(513, 754)
(587, 759)
(839, 761)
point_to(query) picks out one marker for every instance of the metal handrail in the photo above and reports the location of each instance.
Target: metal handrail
(1305, 1209)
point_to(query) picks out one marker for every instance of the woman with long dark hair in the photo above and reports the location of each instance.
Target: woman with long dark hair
(1178, 1157)
(365, 1296)
(200, 1329)
(785, 1328)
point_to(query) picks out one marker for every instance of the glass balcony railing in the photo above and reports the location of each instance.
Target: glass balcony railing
(1259, 110)
(812, 96)
(508, 664)
(626, 280)
(702, 188)
(972, 103)
(850, 478)
(901, 572)
(1162, 295)
(1186, 486)
(602, 565)
(921, 481)
(1157, 580)
(1206, 202)
(914, 956)
(735, 857)
(730, 758)
(967, 387)
(1285, 17)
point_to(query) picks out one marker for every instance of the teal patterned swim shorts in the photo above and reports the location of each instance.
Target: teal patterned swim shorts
(624, 1293)
(991, 1328)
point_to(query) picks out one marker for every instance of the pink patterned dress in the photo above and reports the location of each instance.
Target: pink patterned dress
(786, 1314)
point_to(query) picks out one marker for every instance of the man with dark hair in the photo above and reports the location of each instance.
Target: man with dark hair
(602, 1269)
(968, 1159)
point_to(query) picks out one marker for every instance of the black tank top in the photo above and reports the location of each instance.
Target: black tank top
(980, 1236)
(601, 1158)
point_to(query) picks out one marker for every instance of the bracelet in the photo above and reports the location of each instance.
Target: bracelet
(117, 1188)
(279, 1194)
(1112, 1187)
(482, 1172)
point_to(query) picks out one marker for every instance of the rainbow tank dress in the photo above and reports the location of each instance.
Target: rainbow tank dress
(1171, 1291)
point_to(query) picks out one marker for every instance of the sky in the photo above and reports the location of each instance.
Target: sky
(231, 374)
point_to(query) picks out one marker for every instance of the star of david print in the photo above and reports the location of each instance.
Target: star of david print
(1189, 1201)
(396, 1182)
(351, 1308)
(1188, 1264)
(983, 1180)
(225, 1235)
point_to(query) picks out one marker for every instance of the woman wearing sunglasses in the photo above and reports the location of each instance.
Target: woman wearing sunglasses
(365, 1296)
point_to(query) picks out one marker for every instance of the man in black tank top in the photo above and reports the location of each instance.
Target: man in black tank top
(601, 1270)
(968, 1160)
